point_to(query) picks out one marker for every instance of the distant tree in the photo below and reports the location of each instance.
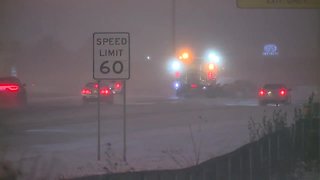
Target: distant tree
(9, 56)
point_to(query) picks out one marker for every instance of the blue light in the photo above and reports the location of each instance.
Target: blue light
(176, 85)
(270, 50)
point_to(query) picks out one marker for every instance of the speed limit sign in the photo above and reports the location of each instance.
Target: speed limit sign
(111, 55)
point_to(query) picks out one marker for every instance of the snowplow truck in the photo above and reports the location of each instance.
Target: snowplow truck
(198, 78)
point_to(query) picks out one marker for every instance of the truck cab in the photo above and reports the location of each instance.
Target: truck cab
(196, 79)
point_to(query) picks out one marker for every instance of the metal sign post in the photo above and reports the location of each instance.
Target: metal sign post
(99, 128)
(124, 122)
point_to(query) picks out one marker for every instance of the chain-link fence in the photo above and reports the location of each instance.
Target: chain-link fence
(270, 158)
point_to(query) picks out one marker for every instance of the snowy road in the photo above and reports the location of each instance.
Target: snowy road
(58, 136)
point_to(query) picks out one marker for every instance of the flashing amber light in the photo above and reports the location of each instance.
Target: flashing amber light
(211, 67)
(185, 55)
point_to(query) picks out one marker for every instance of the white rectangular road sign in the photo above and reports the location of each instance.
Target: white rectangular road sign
(111, 55)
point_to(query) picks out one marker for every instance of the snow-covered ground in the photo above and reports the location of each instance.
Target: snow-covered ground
(162, 133)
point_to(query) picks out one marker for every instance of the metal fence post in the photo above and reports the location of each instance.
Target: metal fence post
(269, 157)
(295, 140)
(303, 140)
(250, 164)
(203, 173)
(240, 167)
(260, 143)
(216, 169)
(318, 123)
(229, 168)
(278, 147)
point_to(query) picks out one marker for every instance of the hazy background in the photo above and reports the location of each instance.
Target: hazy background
(50, 42)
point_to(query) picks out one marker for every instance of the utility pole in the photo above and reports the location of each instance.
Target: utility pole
(174, 27)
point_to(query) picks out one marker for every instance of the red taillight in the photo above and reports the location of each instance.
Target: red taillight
(262, 92)
(96, 85)
(10, 87)
(105, 92)
(117, 85)
(177, 74)
(194, 85)
(210, 75)
(86, 91)
(283, 92)
(13, 88)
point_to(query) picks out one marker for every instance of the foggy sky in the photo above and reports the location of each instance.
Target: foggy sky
(204, 23)
(239, 34)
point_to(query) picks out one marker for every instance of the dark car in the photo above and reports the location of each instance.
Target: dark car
(90, 93)
(12, 92)
(274, 94)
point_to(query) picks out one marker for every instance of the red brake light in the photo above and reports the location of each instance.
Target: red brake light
(177, 74)
(13, 88)
(104, 91)
(96, 85)
(283, 92)
(194, 85)
(210, 75)
(85, 91)
(262, 92)
(117, 85)
(10, 87)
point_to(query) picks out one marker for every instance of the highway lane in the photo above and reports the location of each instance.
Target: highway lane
(54, 115)
(66, 130)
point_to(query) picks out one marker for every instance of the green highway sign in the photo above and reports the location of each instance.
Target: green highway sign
(281, 4)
